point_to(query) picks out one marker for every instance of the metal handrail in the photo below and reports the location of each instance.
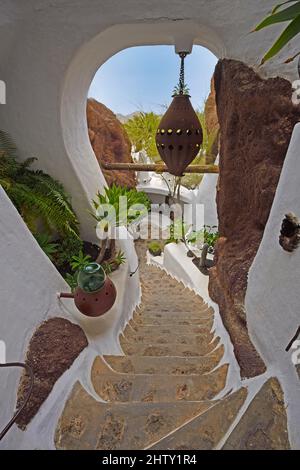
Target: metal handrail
(29, 370)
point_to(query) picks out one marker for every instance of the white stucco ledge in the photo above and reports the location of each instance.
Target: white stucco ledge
(206, 194)
(273, 295)
(157, 186)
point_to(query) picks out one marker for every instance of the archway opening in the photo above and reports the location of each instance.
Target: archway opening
(136, 85)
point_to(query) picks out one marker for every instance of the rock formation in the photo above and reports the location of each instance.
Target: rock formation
(110, 142)
(52, 350)
(210, 110)
(211, 120)
(256, 118)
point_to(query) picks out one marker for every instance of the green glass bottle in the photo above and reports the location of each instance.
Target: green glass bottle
(91, 278)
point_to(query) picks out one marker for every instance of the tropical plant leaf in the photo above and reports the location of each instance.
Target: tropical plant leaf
(71, 279)
(112, 197)
(289, 33)
(79, 262)
(177, 90)
(282, 16)
(48, 246)
(277, 7)
(36, 195)
(120, 258)
(141, 130)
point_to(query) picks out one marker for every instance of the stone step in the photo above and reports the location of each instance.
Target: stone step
(176, 322)
(166, 365)
(264, 424)
(193, 301)
(87, 424)
(115, 387)
(188, 304)
(171, 318)
(150, 338)
(173, 301)
(170, 349)
(205, 431)
(151, 280)
(168, 330)
(160, 311)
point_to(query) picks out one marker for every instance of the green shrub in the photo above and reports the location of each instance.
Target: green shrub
(48, 246)
(155, 248)
(141, 129)
(112, 196)
(80, 261)
(178, 230)
(36, 195)
(210, 237)
(67, 249)
(71, 279)
(118, 260)
(206, 235)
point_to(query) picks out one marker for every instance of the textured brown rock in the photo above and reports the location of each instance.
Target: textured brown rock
(110, 142)
(210, 111)
(256, 118)
(211, 120)
(52, 350)
(264, 424)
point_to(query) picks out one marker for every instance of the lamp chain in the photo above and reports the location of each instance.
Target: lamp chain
(182, 56)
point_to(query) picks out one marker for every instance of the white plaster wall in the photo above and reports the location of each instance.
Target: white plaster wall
(50, 50)
(157, 190)
(206, 195)
(273, 294)
(29, 284)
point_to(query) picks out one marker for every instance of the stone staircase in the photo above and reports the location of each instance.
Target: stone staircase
(163, 393)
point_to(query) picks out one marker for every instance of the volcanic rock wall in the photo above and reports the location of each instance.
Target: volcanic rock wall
(210, 110)
(256, 118)
(212, 122)
(110, 142)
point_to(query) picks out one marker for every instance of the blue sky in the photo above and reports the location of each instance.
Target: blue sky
(143, 78)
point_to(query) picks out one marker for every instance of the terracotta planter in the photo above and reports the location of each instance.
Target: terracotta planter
(95, 304)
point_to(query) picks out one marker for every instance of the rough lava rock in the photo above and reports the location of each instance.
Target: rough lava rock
(256, 118)
(211, 120)
(52, 350)
(110, 142)
(210, 109)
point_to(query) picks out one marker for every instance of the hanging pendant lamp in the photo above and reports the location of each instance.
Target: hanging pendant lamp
(179, 135)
